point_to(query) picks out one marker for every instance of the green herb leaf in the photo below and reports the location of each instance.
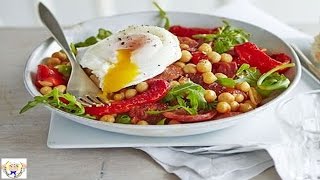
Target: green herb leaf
(192, 110)
(242, 68)
(163, 15)
(226, 38)
(181, 102)
(248, 74)
(73, 49)
(189, 96)
(54, 99)
(272, 80)
(181, 89)
(162, 121)
(123, 119)
(197, 99)
(264, 93)
(64, 69)
(212, 105)
(103, 33)
(88, 42)
(30, 105)
(227, 82)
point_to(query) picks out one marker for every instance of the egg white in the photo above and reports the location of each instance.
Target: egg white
(153, 49)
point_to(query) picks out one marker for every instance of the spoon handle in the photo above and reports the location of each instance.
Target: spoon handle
(53, 26)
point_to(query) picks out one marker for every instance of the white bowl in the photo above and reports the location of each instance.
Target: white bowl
(80, 31)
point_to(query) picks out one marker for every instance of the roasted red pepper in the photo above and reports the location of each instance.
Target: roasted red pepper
(281, 57)
(249, 53)
(45, 73)
(197, 56)
(158, 88)
(187, 118)
(189, 32)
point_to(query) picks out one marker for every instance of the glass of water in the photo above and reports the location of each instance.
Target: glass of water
(299, 119)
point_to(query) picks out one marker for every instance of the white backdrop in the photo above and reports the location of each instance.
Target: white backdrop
(23, 13)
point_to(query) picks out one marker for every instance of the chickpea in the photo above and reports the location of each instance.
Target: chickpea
(225, 57)
(251, 103)
(210, 95)
(220, 75)
(45, 83)
(118, 96)
(234, 105)
(214, 57)
(142, 122)
(53, 61)
(226, 97)
(60, 55)
(190, 68)
(185, 56)
(204, 66)
(45, 90)
(209, 77)
(238, 97)
(61, 88)
(180, 64)
(245, 107)
(174, 83)
(141, 87)
(130, 93)
(223, 107)
(205, 47)
(174, 122)
(108, 118)
(184, 46)
(243, 86)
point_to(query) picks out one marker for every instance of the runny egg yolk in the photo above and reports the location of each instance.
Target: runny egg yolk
(121, 73)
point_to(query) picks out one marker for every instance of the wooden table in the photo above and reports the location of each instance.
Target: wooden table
(25, 136)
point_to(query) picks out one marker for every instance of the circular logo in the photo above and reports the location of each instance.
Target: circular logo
(13, 169)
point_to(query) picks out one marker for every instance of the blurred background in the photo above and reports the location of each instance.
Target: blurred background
(22, 13)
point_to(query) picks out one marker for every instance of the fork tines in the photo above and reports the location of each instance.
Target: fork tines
(90, 101)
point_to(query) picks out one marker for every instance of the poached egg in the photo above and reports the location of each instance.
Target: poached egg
(131, 56)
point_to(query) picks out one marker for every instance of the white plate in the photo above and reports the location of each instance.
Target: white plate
(80, 31)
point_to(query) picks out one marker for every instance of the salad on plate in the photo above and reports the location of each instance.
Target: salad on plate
(167, 75)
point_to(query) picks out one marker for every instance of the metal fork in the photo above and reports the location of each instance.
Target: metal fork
(311, 66)
(79, 85)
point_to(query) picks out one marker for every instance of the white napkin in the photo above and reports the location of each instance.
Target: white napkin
(227, 161)
(193, 166)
